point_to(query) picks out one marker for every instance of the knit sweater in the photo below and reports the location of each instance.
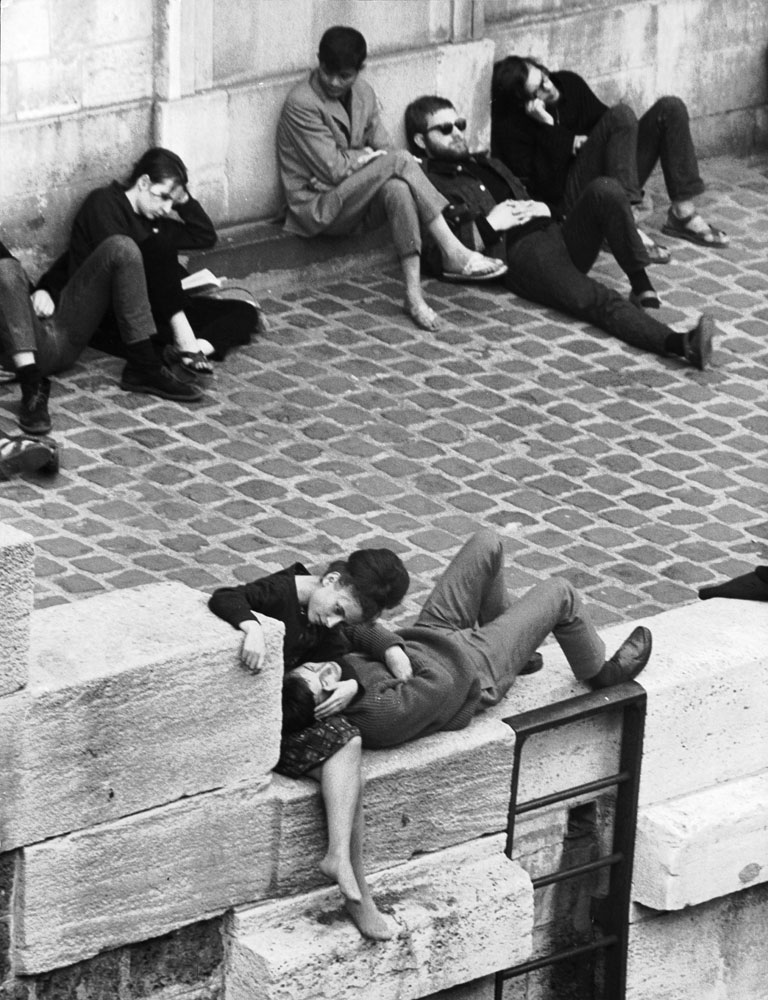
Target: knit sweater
(443, 694)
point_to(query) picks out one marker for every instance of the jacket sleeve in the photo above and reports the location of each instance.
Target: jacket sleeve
(314, 145)
(588, 107)
(376, 135)
(194, 232)
(373, 639)
(55, 278)
(235, 604)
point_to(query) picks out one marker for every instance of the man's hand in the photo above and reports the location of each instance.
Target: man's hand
(252, 650)
(578, 142)
(43, 304)
(398, 663)
(367, 154)
(511, 213)
(338, 700)
(537, 109)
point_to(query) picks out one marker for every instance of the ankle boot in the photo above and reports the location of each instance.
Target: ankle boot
(33, 412)
(144, 372)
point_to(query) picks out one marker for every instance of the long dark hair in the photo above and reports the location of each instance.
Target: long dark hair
(510, 76)
(160, 165)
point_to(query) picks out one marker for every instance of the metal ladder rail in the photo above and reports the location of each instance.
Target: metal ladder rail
(613, 912)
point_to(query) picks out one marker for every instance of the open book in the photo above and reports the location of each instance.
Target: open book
(201, 281)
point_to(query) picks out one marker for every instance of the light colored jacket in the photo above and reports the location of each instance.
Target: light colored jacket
(317, 147)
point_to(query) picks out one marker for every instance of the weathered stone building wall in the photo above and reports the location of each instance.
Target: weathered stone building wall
(88, 84)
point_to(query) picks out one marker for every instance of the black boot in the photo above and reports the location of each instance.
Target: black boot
(627, 662)
(33, 412)
(144, 372)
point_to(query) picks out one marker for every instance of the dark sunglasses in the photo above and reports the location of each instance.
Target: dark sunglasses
(447, 127)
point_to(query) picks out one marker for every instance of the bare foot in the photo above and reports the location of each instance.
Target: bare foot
(369, 920)
(422, 315)
(341, 872)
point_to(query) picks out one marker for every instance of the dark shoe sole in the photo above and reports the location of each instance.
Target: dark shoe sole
(39, 429)
(152, 390)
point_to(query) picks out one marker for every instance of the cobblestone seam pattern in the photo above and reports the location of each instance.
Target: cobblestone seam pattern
(634, 476)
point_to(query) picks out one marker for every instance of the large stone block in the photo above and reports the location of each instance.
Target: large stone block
(424, 796)
(17, 562)
(147, 874)
(703, 845)
(712, 951)
(135, 699)
(143, 876)
(704, 724)
(461, 913)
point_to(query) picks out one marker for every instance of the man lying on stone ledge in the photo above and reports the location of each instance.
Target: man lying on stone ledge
(463, 653)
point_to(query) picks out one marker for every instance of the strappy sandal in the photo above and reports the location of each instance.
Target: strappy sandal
(657, 254)
(681, 229)
(477, 268)
(193, 362)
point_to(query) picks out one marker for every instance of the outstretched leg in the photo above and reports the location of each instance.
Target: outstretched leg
(367, 917)
(340, 778)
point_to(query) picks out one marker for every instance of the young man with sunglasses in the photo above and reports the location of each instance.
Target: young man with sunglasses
(341, 174)
(490, 210)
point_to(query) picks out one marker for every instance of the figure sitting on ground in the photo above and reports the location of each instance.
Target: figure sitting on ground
(548, 261)
(747, 587)
(27, 454)
(340, 173)
(317, 611)
(463, 653)
(552, 131)
(185, 328)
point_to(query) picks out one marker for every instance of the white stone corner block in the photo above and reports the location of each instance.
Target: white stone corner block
(706, 722)
(135, 699)
(461, 914)
(702, 846)
(17, 572)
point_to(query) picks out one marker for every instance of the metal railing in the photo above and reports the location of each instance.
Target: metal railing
(610, 913)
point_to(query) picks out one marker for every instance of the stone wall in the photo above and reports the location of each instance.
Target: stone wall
(147, 852)
(86, 86)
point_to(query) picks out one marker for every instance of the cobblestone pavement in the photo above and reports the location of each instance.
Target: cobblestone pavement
(634, 476)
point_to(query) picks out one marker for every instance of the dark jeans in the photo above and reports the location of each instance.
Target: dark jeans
(550, 266)
(621, 147)
(113, 275)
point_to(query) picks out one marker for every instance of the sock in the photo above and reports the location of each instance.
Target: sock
(28, 374)
(675, 344)
(142, 354)
(749, 587)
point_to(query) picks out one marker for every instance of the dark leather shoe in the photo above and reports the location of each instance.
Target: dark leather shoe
(697, 345)
(627, 662)
(33, 412)
(27, 454)
(647, 299)
(533, 666)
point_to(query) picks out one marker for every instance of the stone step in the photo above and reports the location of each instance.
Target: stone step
(460, 913)
(17, 562)
(135, 699)
(147, 874)
(704, 845)
(704, 725)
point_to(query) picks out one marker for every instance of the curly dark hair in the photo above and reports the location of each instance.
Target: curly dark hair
(298, 703)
